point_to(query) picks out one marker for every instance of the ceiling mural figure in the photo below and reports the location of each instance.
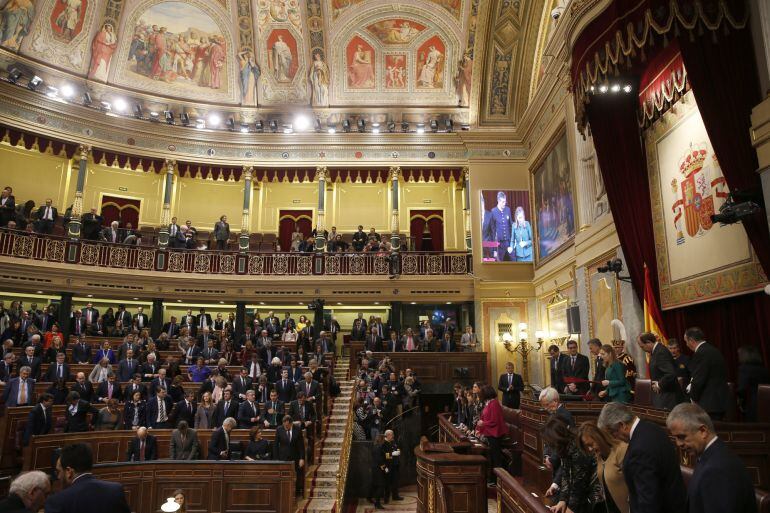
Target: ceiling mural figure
(360, 57)
(395, 31)
(102, 47)
(15, 22)
(453, 7)
(248, 73)
(283, 55)
(430, 64)
(396, 76)
(67, 18)
(281, 49)
(319, 80)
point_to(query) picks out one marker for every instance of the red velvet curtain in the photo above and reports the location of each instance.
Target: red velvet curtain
(435, 221)
(288, 220)
(122, 210)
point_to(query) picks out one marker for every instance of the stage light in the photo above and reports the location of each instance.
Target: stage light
(34, 82)
(230, 124)
(154, 116)
(465, 126)
(301, 123)
(317, 125)
(273, 126)
(592, 89)
(375, 128)
(259, 126)
(391, 126)
(51, 92)
(138, 111)
(615, 88)
(14, 74)
(332, 129)
(361, 125)
(200, 123)
(244, 128)
(420, 128)
(87, 101)
(67, 91)
(288, 129)
(169, 116)
(449, 125)
(185, 118)
(626, 88)
(603, 88)
(346, 125)
(120, 105)
(214, 119)
(106, 105)
(433, 126)
(404, 126)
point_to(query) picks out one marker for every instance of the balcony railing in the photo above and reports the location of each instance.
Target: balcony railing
(30, 246)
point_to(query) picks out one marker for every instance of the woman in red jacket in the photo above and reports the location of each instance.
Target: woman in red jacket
(492, 426)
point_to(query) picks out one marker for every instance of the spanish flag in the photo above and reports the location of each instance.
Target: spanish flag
(653, 322)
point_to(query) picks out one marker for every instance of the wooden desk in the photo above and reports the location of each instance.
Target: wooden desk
(209, 486)
(450, 482)
(512, 497)
(440, 369)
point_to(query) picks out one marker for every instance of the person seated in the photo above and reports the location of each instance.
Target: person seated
(109, 389)
(257, 448)
(101, 371)
(130, 236)
(110, 417)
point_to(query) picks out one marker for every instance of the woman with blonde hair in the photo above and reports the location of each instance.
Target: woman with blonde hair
(220, 383)
(615, 383)
(609, 453)
(204, 412)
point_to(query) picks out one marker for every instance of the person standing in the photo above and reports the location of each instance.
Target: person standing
(751, 374)
(511, 385)
(82, 492)
(222, 233)
(290, 446)
(609, 454)
(594, 347)
(708, 385)
(574, 370)
(667, 392)
(720, 481)
(682, 362)
(651, 466)
(500, 227)
(379, 473)
(617, 388)
(521, 237)
(391, 454)
(492, 425)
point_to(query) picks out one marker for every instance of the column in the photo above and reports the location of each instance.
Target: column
(73, 228)
(65, 309)
(243, 239)
(320, 240)
(467, 207)
(156, 322)
(396, 317)
(240, 317)
(395, 239)
(165, 215)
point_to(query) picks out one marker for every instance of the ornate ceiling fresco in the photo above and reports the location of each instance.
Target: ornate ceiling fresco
(471, 60)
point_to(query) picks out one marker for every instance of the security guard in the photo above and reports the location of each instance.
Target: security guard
(379, 473)
(391, 453)
(500, 226)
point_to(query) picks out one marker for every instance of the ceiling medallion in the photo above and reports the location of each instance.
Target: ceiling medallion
(359, 154)
(172, 147)
(131, 141)
(431, 154)
(41, 120)
(285, 155)
(249, 154)
(394, 154)
(88, 132)
(321, 154)
(211, 152)
(507, 153)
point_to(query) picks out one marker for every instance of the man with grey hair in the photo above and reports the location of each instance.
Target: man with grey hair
(550, 401)
(20, 390)
(651, 466)
(219, 444)
(709, 491)
(27, 493)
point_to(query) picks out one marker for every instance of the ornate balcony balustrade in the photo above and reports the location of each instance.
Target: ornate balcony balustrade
(46, 248)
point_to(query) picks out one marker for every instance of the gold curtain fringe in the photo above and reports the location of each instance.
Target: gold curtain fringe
(663, 97)
(625, 42)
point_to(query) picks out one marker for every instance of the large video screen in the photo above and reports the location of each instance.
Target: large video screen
(506, 233)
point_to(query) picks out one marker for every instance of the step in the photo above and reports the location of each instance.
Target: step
(332, 442)
(327, 470)
(316, 505)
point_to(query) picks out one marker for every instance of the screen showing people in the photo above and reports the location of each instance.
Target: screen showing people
(506, 231)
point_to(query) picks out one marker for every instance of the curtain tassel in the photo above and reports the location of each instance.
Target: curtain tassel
(726, 28)
(692, 36)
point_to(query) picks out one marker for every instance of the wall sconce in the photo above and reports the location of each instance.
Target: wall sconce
(524, 348)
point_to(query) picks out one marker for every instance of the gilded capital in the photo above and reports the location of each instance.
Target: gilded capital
(248, 172)
(170, 166)
(466, 174)
(84, 150)
(321, 173)
(395, 171)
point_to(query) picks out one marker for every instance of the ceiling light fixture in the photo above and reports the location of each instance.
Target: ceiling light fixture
(169, 116)
(14, 74)
(361, 125)
(449, 124)
(230, 124)
(433, 126)
(34, 82)
(200, 123)
(273, 126)
(615, 88)
(67, 91)
(259, 126)
(244, 128)
(331, 130)
(138, 111)
(120, 105)
(51, 92)
(346, 125)
(603, 88)
(420, 128)
(404, 126)
(391, 126)
(214, 119)
(627, 88)
(317, 125)
(301, 123)
(185, 118)
(87, 101)
(154, 116)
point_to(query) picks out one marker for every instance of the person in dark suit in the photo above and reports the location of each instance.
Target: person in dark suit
(241, 384)
(185, 410)
(58, 370)
(558, 360)
(202, 320)
(134, 411)
(127, 367)
(219, 443)
(90, 314)
(83, 387)
(511, 385)
(92, 225)
(27, 493)
(248, 412)
(310, 387)
(184, 443)
(708, 385)
(285, 388)
(81, 352)
(82, 492)
(158, 410)
(76, 414)
(447, 344)
(594, 346)
(123, 316)
(226, 407)
(575, 370)
(46, 217)
(143, 447)
(720, 481)
(550, 401)
(651, 466)
(135, 385)
(171, 328)
(302, 411)
(160, 382)
(290, 446)
(272, 411)
(141, 319)
(109, 389)
(373, 342)
(39, 419)
(7, 206)
(681, 361)
(358, 332)
(393, 344)
(20, 391)
(222, 232)
(29, 359)
(665, 387)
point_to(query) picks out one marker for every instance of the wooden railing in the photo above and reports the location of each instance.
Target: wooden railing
(31, 246)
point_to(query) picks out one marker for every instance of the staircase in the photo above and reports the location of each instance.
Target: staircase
(325, 481)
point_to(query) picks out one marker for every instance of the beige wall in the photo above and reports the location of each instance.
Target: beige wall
(204, 201)
(124, 183)
(36, 176)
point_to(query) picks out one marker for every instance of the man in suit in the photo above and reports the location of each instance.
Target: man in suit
(290, 446)
(90, 314)
(27, 493)
(310, 387)
(241, 384)
(7, 206)
(288, 323)
(143, 447)
(219, 444)
(409, 342)
(447, 344)
(123, 316)
(720, 481)
(184, 443)
(575, 370)
(191, 354)
(359, 239)
(171, 328)
(272, 411)
(210, 354)
(20, 391)
(58, 370)
(550, 401)
(151, 370)
(109, 389)
(511, 385)
(141, 319)
(302, 411)
(39, 420)
(185, 410)
(666, 390)
(222, 232)
(285, 388)
(6, 367)
(202, 320)
(46, 217)
(226, 407)
(428, 343)
(173, 234)
(393, 344)
(92, 225)
(82, 493)
(111, 234)
(128, 367)
(83, 387)
(78, 324)
(708, 385)
(651, 466)
(248, 412)
(158, 410)
(76, 414)
(373, 342)
(594, 346)
(81, 352)
(135, 386)
(127, 346)
(28, 359)
(333, 327)
(97, 329)
(45, 320)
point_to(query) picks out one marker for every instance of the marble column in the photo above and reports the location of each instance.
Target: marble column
(243, 238)
(467, 207)
(395, 238)
(156, 321)
(73, 228)
(320, 240)
(165, 215)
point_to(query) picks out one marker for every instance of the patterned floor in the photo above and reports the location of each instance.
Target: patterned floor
(408, 505)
